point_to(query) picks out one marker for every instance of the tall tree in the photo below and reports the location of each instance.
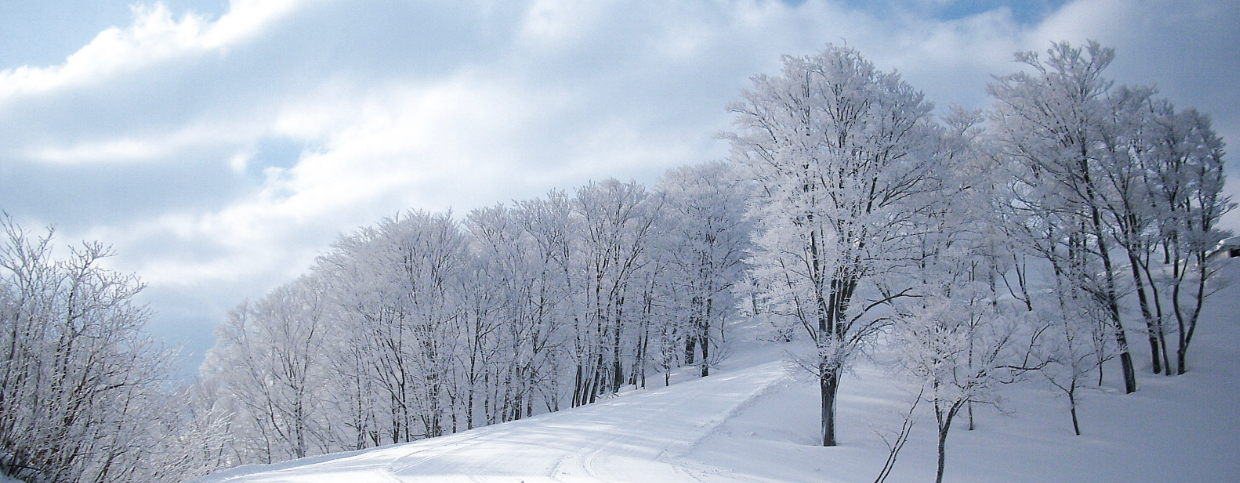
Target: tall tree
(1128, 203)
(267, 356)
(845, 156)
(549, 225)
(1049, 122)
(1188, 194)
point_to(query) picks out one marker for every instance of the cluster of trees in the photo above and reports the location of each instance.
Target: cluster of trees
(425, 325)
(84, 394)
(1028, 240)
(988, 245)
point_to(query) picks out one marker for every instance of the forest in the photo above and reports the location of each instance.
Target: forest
(981, 247)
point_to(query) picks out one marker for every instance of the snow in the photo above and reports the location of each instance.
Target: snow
(755, 420)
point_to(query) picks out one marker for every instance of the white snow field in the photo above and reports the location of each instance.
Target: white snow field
(755, 421)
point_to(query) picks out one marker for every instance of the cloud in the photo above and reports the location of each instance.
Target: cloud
(220, 155)
(153, 37)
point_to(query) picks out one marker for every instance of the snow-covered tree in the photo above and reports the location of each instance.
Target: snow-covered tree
(1187, 186)
(519, 274)
(82, 389)
(956, 337)
(616, 220)
(955, 343)
(420, 257)
(845, 156)
(1068, 343)
(1049, 123)
(1102, 174)
(704, 245)
(548, 223)
(269, 358)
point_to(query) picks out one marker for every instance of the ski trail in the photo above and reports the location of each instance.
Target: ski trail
(647, 436)
(668, 429)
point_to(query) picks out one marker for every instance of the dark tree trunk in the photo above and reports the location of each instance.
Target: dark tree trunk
(1186, 336)
(1121, 338)
(1150, 324)
(829, 385)
(1130, 374)
(705, 356)
(938, 474)
(945, 423)
(1179, 360)
(1111, 298)
(1076, 425)
(1162, 340)
(617, 376)
(579, 388)
(705, 338)
(944, 418)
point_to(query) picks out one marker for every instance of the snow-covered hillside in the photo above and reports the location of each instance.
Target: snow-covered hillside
(756, 421)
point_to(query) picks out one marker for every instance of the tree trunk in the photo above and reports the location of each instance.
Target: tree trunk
(944, 419)
(1160, 318)
(592, 389)
(578, 388)
(945, 423)
(1162, 340)
(705, 356)
(1121, 338)
(1186, 337)
(938, 474)
(705, 335)
(829, 385)
(1179, 360)
(1076, 425)
(1150, 324)
(617, 376)
(1130, 374)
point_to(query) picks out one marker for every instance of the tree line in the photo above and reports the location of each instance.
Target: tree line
(424, 325)
(1024, 241)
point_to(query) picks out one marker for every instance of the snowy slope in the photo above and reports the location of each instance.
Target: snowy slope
(644, 436)
(755, 421)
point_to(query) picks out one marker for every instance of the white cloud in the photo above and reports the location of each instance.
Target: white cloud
(244, 20)
(153, 37)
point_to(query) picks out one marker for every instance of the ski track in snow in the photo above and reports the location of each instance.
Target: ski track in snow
(647, 436)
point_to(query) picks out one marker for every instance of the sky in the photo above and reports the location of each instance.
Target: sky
(219, 146)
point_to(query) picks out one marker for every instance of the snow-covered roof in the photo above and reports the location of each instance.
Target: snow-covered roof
(1230, 242)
